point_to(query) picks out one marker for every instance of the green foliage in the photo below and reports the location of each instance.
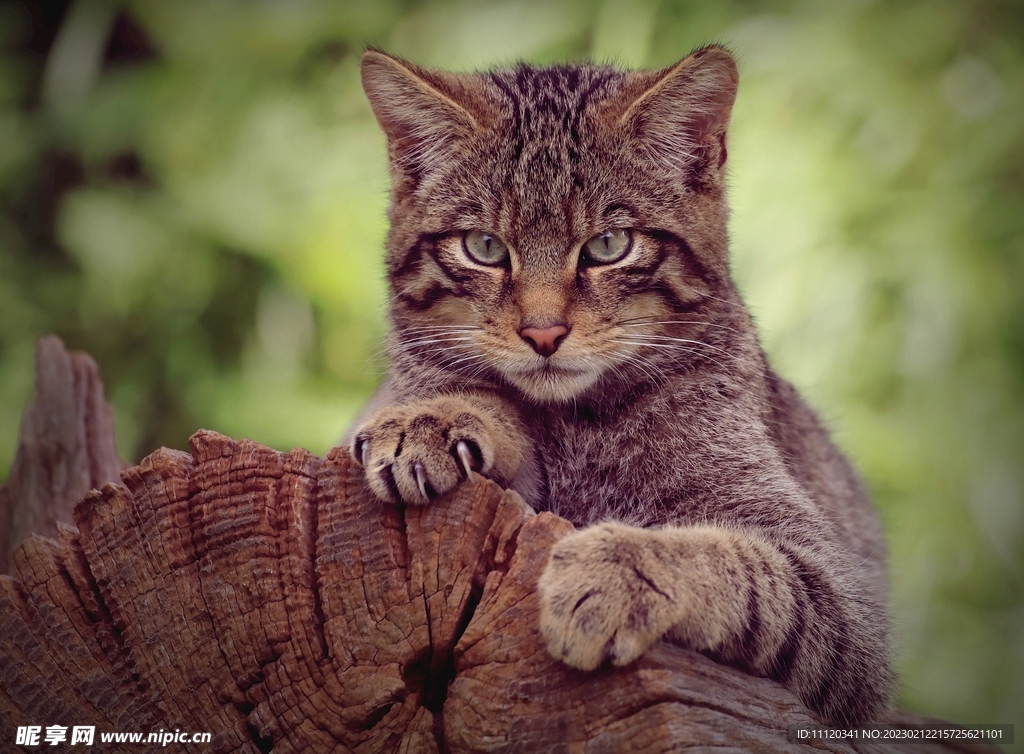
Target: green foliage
(200, 204)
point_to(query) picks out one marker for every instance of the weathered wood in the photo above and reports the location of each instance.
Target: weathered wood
(267, 598)
(66, 447)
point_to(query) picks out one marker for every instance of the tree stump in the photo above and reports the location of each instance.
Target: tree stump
(268, 599)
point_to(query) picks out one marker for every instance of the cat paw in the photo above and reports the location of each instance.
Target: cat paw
(604, 596)
(416, 452)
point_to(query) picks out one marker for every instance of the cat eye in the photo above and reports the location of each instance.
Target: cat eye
(484, 248)
(607, 247)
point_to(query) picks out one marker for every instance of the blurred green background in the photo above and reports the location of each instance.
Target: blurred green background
(194, 193)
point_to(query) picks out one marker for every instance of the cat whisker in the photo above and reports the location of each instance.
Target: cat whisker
(652, 319)
(609, 365)
(677, 356)
(646, 367)
(682, 349)
(478, 370)
(429, 336)
(459, 349)
(634, 323)
(658, 338)
(424, 337)
(725, 301)
(431, 340)
(474, 370)
(655, 344)
(451, 363)
(618, 361)
(443, 328)
(439, 334)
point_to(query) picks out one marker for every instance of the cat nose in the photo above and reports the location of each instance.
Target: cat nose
(544, 340)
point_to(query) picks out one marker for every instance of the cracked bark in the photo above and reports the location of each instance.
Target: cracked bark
(267, 598)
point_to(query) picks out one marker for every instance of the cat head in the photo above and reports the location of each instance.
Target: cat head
(554, 226)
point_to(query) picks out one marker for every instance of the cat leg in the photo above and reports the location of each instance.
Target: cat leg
(611, 590)
(416, 451)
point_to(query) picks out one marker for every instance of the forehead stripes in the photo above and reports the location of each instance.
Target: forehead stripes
(547, 106)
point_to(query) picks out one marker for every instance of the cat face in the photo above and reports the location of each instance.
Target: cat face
(550, 227)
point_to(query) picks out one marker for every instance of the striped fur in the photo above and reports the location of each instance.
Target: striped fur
(714, 509)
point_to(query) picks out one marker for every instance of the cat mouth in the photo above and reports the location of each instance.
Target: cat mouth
(550, 382)
(548, 369)
(555, 369)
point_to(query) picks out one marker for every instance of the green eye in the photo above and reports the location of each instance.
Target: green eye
(484, 248)
(608, 247)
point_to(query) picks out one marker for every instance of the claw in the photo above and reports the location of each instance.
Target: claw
(421, 479)
(465, 456)
(361, 450)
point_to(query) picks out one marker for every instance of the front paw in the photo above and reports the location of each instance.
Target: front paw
(604, 595)
(416, 452)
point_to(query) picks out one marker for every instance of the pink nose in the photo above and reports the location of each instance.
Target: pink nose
(544, 340)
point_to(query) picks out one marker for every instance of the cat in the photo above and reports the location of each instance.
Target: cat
(563, 321)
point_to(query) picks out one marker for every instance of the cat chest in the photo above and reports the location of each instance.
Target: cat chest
(601, 464)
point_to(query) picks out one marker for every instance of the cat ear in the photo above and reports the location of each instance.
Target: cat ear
(680, 116)
(423, 113)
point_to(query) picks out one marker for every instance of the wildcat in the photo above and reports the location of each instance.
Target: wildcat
(563, 321)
